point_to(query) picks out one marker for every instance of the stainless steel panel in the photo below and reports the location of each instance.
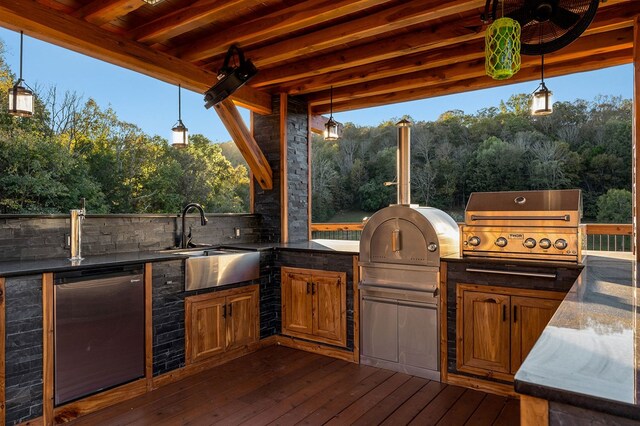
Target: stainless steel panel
(98, 334)
(400, 276)
(380, 337)
(525, 201)
(211, 268)
(418, 341)
(399, 293)
(409, 236)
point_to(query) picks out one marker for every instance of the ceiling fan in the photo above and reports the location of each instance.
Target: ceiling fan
(546, 25)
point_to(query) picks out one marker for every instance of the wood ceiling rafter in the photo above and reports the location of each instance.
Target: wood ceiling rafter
(596, 44)
(99, 12)
(402, 16)
(460, 30)
(184, 20)
(588, 63)
(73, 33)
(277, 23)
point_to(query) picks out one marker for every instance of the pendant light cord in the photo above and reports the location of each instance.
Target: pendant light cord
(331, 103)
(542, 70)
(21, 36)
(179, 103)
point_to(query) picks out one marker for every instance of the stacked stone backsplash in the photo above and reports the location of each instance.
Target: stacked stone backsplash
(39, 237)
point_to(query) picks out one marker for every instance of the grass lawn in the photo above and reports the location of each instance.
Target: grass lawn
(349, 216)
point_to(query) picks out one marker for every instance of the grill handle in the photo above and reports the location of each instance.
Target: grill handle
(517, 273)
(564, 218)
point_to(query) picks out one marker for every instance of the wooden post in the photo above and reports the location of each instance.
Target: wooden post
(47, 349)
(2, 352)
(310, 132)
(636, 135)
(534, 411)
(284, 181)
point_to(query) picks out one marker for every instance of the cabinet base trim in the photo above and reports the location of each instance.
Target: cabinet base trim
(302, 345)
(483, 385)
(401, 368)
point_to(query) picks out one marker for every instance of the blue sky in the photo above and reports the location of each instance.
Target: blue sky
(152, 104)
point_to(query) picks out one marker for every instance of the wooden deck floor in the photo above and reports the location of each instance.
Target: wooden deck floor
(281, 386)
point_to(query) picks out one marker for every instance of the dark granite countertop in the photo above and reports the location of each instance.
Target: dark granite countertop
(38, 266)
(585, 357)
(318, 246)
(502, 262)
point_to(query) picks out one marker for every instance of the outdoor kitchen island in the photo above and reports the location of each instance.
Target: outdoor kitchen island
(584, 367)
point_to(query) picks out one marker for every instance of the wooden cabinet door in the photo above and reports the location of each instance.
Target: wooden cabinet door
(485, 341)
(242, 319)
(296, 303)
(530, 316)
(329, 307)
(205, 336)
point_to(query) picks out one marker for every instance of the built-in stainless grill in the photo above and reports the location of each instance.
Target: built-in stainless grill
(400, 250)
(542, 225)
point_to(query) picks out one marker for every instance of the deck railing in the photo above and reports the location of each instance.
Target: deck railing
(600, 236)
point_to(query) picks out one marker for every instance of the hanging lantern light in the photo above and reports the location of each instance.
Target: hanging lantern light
(542, 98)
(179, 131)
(20, 97)
(331, 126)
(502, 49)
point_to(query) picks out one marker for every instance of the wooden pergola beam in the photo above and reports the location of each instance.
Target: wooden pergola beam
(99, 12)
(280, 22)
(245, 142)
(75, 34)
(588, 63)
(585, 46)
(184, 19)
(465, 29)
(393, 18)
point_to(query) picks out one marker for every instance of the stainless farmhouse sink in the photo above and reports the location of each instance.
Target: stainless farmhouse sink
(214, 267)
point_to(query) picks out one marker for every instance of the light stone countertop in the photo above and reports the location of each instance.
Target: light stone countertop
(586, 355)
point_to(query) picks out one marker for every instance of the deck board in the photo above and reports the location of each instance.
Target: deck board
(283, 386)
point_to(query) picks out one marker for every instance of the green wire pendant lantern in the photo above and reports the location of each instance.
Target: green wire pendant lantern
(502, 49)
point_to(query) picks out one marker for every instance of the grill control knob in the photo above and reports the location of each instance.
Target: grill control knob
(560, 244)
(474, 241)
(501, 242)
(529, 243)
(432, 247)
(545, 243)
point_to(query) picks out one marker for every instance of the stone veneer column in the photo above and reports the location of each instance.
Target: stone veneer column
(294, 182)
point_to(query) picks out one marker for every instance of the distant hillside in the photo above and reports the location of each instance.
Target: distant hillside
(232, 153)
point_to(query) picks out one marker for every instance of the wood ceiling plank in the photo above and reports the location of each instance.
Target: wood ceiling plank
(280, 22)
(391, 67)
(186, 19)
(99, 12)
(75, 34)
(428, 38)
(402, 16)
(245, 142)
(588, 63)
(588, 45)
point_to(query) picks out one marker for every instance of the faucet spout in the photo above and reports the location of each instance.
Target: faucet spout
(186, 239)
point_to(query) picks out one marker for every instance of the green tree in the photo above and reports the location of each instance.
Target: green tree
(615, 206)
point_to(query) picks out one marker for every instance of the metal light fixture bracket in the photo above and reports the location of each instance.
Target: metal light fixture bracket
(230, 77)
(20, 96)
(179, 131)
(331, 126)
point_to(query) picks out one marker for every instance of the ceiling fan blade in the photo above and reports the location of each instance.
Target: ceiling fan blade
(564, 18)
(522, 15)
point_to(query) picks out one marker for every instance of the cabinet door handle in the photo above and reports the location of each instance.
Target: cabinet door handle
(308, 287)
(491, 301)
(515, 314)
(313, 288)
(230, 309)
(224, 311)
(504, 312)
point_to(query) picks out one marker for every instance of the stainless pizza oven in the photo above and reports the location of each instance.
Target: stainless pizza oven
(400, 250)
